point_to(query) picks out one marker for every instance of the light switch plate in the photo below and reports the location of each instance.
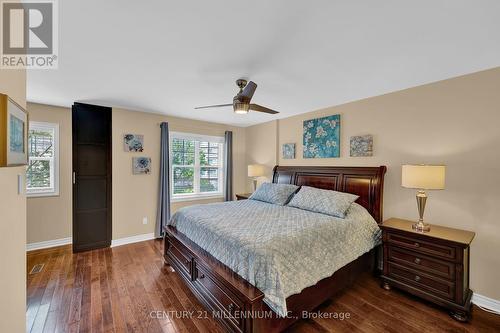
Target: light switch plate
(20, 184)
(144, 220)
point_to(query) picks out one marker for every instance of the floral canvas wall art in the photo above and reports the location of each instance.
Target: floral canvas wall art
(16, 134)
(13, 133)
(133, 142)
(141, 165)
(322, 137)
(361, 145)
(288, 151)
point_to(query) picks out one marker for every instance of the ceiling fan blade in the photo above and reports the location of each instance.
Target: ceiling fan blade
(249, 90)
(260, 108)
(213, 106)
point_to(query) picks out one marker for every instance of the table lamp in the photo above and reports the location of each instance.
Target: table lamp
(422, 177)
(255, 171)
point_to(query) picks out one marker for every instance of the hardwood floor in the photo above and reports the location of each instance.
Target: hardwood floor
(129, 289)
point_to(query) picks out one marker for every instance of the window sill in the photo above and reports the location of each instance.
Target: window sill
(197, 197)
(41, 194)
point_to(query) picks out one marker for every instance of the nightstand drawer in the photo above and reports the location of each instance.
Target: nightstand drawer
(413, 260)
(415, 244)
(422, 281)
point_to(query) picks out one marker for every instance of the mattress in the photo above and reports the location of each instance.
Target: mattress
(280, 250)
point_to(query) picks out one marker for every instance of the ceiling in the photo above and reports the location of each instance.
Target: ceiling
(170, 56)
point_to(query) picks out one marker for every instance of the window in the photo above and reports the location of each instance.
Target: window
(196, 166)
(42, 174)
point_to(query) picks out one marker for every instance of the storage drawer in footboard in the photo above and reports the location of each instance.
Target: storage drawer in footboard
(226, 296)
(222, 301)
(178, 257)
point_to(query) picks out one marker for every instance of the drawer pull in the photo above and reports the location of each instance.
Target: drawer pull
(416, 244)
(230, 307)
(202, 276)
(417, 261)
(417, 278)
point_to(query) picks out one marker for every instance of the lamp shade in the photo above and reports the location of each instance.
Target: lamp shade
(256, 170)
(424, 177)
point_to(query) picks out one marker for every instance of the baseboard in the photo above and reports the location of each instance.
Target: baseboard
(486, 302)
(132, 239)
(66, 241)
(48, 244)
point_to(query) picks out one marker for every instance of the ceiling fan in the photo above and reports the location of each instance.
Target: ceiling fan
(241, 102)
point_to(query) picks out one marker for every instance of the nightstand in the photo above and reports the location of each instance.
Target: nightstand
(243, 196)
(432, 265)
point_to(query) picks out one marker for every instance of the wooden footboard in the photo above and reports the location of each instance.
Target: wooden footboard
(234, 302)
(224, 293)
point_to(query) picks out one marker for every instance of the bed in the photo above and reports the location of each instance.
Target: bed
(225, 285)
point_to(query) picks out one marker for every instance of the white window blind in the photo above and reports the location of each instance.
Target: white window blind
(196, 165)
(42, 174)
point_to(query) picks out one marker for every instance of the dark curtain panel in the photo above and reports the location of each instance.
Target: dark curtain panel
(163, 214)
(228, 166)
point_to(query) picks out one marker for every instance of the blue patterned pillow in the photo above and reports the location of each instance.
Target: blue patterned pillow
(278, 194)
(323, 201)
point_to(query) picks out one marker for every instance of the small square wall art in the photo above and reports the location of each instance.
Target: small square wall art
(362, 145)
(141, 165)
(133, 142)
(288, 151)
(322, 137)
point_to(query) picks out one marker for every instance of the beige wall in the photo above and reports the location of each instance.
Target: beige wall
(134, 196)
(12, 225)
(50, 217)
(454, 122)
(261, 148)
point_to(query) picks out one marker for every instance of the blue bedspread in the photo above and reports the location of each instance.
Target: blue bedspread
(280, 250)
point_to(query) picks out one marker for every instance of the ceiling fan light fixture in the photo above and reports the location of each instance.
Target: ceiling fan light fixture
(242, 101)
(241, 108)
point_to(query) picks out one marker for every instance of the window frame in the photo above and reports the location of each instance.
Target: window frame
(54, 175)
(197, 195)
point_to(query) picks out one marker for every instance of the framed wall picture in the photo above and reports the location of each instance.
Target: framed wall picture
(133, 143)
(141, 165)
(361, 146)
(322, 137)
(288, 151)
(13, 133)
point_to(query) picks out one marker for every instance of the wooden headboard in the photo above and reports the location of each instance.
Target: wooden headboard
(367, 182)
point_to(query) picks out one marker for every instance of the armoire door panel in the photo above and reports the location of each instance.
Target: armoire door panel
(92, 125)
(92, 226)
(91, 193)
(92, 160)
(91, 177)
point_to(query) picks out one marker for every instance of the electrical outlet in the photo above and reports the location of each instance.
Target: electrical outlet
(144, 220)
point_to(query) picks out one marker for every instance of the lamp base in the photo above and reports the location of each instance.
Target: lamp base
(421, 226)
